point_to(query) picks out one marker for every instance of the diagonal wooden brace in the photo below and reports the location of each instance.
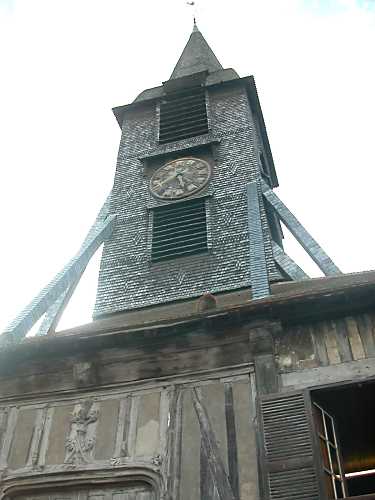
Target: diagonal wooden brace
(287, 264)
(61, 283)
(311, 246)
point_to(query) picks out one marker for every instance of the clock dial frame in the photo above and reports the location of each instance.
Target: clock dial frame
(180, 178)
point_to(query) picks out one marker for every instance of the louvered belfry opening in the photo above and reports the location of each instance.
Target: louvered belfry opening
(179, 230)
(183, 114)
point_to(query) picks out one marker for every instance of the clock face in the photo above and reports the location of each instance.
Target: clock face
(180, 178)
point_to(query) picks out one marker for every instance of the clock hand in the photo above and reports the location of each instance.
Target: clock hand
(168, 179)
(182, 184)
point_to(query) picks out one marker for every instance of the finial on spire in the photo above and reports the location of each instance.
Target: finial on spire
(192, 4)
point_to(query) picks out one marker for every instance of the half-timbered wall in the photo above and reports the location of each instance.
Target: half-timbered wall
(197, 437)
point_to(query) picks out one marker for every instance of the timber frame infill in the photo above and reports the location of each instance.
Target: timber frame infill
(12, 487)
(289, 454)
(162, 471)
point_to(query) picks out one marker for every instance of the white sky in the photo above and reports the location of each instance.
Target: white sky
(66, 63)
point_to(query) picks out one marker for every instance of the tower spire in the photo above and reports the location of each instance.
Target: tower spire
(197, 56)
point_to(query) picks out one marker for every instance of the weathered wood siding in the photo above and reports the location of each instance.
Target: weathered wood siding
(324, 343)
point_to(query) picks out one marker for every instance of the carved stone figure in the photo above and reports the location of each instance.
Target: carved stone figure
(80, 444)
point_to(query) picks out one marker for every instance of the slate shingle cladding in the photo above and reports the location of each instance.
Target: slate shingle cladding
(128, 279)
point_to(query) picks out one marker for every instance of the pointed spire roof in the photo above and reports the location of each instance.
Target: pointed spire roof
(197, 56)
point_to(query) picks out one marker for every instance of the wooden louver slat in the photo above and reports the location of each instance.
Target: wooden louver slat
(179, 230)
(287, 453)
(183, 116)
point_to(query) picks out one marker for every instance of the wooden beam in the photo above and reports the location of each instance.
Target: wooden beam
(311, 246)
(101, 229)
(211, 448)
(287, 264)
(259, 281)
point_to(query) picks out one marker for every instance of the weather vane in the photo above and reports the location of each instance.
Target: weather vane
(193, 4)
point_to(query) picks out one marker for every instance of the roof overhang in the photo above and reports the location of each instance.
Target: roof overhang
(309, 300)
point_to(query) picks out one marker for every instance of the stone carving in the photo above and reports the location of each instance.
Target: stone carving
(80, 443)
(157, 460)
(84, 374)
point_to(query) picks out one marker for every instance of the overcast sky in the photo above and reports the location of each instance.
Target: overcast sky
(66, 63)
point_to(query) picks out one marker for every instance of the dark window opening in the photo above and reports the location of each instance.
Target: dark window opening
(183, 115)
(179, 230)
(343, 419)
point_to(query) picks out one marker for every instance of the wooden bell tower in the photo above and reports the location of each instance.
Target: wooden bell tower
(214, 367)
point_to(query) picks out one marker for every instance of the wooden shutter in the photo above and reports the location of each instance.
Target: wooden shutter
(286, 448)
(179, 230)
(182, 115)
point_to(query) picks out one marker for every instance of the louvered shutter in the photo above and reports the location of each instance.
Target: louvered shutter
(179, 230)
(286, 450)
(183, 115)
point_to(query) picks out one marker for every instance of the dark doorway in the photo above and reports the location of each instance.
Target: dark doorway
(352, 409)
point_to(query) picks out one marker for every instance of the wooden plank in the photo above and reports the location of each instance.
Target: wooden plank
(231, 440)
(365, 327)
(101, 229)
(8, 436)
(175, 442)
(215, 461)
(4, 414)
(354, 338)
(353, 370)
(190, 450)
(342, 339)
(122, 428)
(37, 437)
(319, 344)
(287, 264)
(259, 281)
(163, 426)
(266, 374)
(45, 437)
(245, 411)
(132, 436)
(214, 400)
(207, 485)
(331, 343)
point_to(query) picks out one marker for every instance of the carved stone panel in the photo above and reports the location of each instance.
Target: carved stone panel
(80, 442)
(131, 491)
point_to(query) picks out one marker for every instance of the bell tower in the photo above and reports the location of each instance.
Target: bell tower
(188, 150)
(214, 368)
